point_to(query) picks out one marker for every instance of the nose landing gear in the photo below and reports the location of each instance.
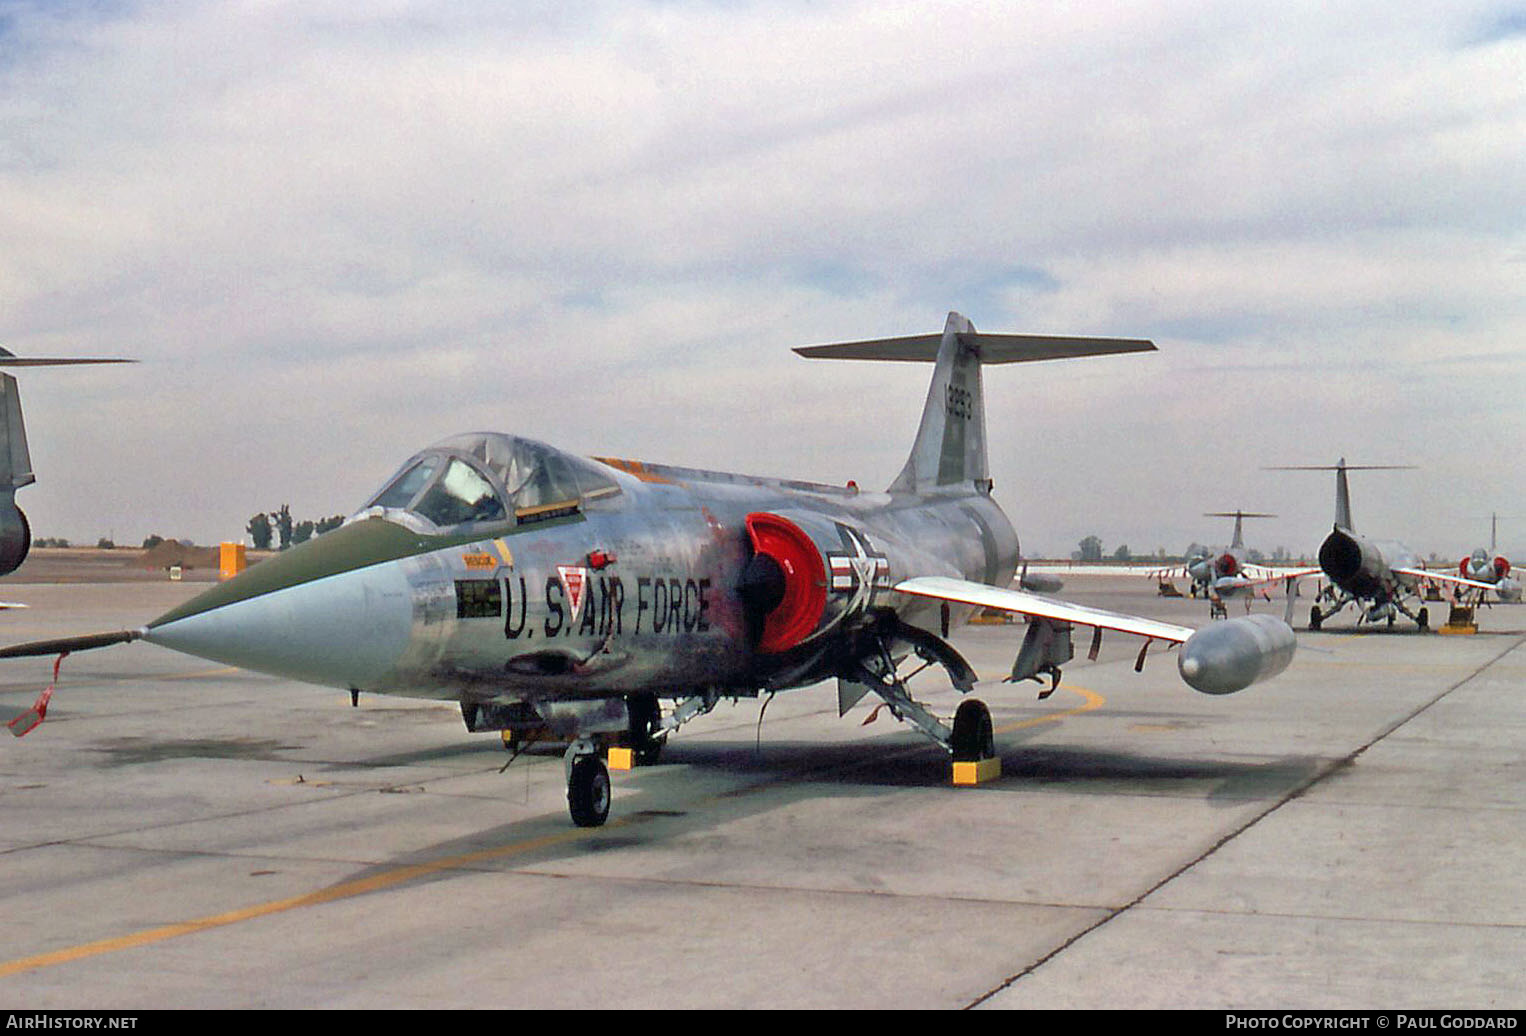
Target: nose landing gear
(587, 784)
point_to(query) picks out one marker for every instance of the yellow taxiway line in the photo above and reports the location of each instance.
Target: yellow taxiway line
(385, 880)
(1093, 701)
(344, 890)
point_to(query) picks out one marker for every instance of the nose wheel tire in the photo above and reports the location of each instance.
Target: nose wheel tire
(588, 791)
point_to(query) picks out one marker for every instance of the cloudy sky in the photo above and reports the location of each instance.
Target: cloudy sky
(336, 232)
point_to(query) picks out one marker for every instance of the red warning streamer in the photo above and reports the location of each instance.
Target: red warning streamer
(30, 720)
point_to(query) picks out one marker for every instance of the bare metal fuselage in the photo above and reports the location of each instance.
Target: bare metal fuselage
(639, 592)
(665, 615)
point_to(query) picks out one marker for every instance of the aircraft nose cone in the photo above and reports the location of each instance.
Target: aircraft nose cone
(344, 630)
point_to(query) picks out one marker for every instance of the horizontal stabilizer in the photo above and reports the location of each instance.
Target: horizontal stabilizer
(6, 360)
(15, 460)
(1341, 467)
(992, 348)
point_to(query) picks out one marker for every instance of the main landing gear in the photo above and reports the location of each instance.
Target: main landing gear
(973, 739)
(1385, 611)
(970, 741)
(646, 735)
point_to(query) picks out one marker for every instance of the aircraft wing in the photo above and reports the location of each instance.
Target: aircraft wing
(1272, 575)
(962, 591)
(1220, 658)
(1266, 573)
(1442, 577)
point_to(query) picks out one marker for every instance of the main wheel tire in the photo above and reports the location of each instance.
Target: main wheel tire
(1423, 619)
(645, 721)
(588, 791)
(973, 738)
(1315, 618)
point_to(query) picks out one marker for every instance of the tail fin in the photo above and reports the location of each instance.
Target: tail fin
(16, 459)
(1342, 488)
(1238, 516)
(1343, 497)
(950, 448)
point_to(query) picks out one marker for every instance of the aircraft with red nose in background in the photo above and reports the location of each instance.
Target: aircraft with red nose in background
(564, 598)
(1225, 573)
(1490, 566)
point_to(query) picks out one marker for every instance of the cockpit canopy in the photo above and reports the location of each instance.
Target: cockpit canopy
(491, 477)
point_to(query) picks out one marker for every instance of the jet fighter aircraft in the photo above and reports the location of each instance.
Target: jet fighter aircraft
(1378, 576)
(1222, 574)
(1490, 566)
(564, 598)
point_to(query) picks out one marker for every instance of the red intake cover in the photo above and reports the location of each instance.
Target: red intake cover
(1462, 568)
(1228, 566)
(805, 580)
(1501, 566)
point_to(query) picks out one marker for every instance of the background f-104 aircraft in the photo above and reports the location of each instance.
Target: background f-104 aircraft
(1219, 574)
(566, 598)
(1492, 567)
(1382, 578)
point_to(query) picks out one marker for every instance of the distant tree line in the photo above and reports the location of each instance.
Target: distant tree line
(106, 542)
(1091, 550)
(264, 529)
(278, 527)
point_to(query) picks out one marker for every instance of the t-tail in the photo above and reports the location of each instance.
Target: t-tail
(949, 453)
(1342, 488)
(1238, 540)
(16, 459)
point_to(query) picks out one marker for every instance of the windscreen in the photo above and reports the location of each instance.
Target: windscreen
(401, 491)
(488, 476)
(460, 495)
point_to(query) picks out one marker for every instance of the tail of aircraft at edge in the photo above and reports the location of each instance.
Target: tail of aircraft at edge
(586, 591)
(16, 459)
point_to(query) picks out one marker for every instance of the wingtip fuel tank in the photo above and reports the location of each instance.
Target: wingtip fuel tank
(1226, 657)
